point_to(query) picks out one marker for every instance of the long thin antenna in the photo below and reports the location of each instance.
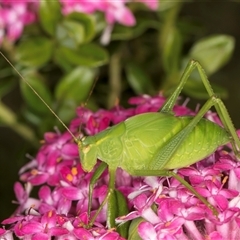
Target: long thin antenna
(21, 76)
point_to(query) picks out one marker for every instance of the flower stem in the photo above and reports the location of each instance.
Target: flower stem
(114, 79)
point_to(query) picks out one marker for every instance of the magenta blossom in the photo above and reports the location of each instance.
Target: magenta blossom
(14, 15)
(162, 207)
(115, 11)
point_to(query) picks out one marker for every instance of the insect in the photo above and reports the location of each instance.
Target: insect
(153, 144)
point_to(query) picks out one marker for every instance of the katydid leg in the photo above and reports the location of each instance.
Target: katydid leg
(218, 104)
(169, 173)
(172, 99)
(96, 175)
(221, 110)
(111, 187)
(228, 125)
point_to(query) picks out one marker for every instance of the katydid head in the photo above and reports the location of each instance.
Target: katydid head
(87, 153)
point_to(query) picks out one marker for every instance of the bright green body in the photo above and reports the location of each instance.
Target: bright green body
(135, 143)
(152, 144)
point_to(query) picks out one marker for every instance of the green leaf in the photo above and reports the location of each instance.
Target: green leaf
(50, 14)
(133, 229)
(70, 33)
(90, 55)
(76, 85)
(34, 52)
(213, 52)
(122, 210)
(59, 59)
(112, 211)
(87, 21)
(5, 86)
(121, 32)
(138, 79)
(31, 98)
(72, 90)
(171, 45)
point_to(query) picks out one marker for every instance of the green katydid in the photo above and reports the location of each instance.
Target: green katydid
(153, 144)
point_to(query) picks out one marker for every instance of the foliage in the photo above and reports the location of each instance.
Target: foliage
(62, 54)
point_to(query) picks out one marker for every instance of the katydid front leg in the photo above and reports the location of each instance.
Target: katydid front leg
(96, 175)
(110, 194)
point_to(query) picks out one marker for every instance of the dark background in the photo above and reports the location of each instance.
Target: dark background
(217, 17)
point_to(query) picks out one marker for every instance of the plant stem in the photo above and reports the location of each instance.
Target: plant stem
(114, 79)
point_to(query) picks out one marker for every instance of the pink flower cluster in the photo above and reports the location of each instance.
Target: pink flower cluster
(14, 15)
(167, 209)
(115, 11)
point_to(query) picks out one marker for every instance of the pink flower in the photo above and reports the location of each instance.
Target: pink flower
(152, 4)
(5, 234)
(115, 11)
(168, 210)
(23, 197)
(14, 15)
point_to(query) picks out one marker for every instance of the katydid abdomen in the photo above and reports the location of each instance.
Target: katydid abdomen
(133, 144)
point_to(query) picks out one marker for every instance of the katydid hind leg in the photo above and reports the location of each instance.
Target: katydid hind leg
(222, 111)
(218, 104)
(169, 173)
(172, 99)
